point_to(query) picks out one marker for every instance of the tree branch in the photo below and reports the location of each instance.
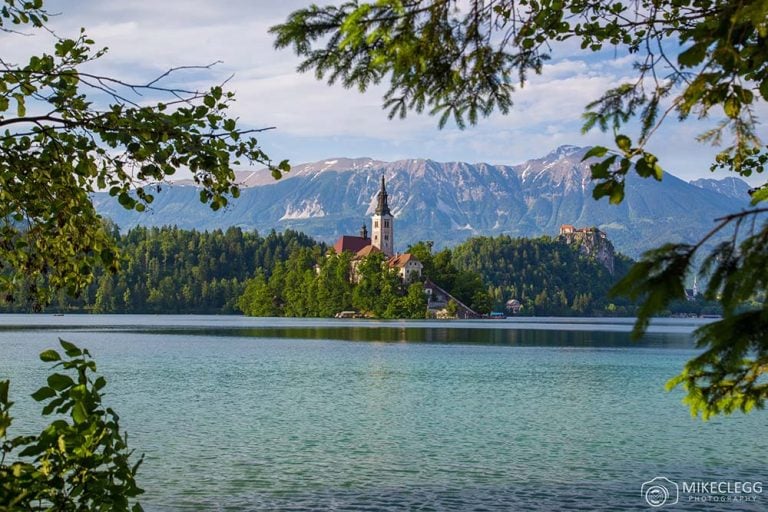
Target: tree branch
(34, 119)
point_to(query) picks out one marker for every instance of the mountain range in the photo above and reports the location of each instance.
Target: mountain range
(450, 202)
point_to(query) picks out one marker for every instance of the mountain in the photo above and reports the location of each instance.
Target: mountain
(731, 187)
(446, 202)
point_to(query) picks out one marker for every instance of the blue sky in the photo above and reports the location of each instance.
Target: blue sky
(315, 121)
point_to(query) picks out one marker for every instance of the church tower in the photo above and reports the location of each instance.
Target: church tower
(383, 224)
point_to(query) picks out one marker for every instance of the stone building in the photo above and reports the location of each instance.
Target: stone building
(592, 242)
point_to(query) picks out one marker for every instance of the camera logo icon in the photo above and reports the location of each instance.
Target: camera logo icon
(660, 491)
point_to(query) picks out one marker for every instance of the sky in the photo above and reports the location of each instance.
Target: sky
(314, 121)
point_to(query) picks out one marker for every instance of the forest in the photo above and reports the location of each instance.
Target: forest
(171, 270)
(546, 275)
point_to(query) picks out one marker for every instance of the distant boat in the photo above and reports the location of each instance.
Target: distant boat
(349, 314)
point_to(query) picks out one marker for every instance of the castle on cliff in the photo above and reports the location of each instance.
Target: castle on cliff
(591, 242)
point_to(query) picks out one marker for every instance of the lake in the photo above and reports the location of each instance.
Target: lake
(244, 414)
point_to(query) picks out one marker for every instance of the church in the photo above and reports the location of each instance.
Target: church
(381, 239)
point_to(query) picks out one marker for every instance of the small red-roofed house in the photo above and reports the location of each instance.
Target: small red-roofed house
(407, 266)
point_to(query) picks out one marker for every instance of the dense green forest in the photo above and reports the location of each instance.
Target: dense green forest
(171, 270)
(305, 286)
(546, 275)
(308, 286)
(551, 277)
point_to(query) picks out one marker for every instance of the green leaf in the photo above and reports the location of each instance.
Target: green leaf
(617, 194)
(764, 89)
(21, 109)
(693, 56)
(49, 356)
(759, 195)
(4, 385)
(658, 172)
(60, 382)
(43, 393)
(79, 414)
(732, 107)
(99, 383)
(52, 405)
(623, 142)
(70, 348)
(596, 151)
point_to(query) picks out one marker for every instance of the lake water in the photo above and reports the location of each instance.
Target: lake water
(276, 414)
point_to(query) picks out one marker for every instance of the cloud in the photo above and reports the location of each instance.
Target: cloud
(316, 121)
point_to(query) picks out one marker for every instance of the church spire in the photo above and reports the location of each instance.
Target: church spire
(382, 208)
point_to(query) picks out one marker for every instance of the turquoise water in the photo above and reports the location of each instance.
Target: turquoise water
(266, 414)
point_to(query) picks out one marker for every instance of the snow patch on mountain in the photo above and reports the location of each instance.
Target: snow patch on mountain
(305, 210)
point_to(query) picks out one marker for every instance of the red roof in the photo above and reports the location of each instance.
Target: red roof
(400, 260)
(367, 251)
(350, 244)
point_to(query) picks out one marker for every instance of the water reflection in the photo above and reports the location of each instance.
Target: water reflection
(546, 332)
(512, 337)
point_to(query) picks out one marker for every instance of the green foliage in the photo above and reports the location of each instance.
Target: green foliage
(466, 284)
(377, 286)
(452, 308)
(463, 63)
(547, 276)
(311, 285)
(81, 460)
(306, 284)
(433, 61)
(170, 270)
(258, 299)
(730, 374)
(694, 58)
(55, 155)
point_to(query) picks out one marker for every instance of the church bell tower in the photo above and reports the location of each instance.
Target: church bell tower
(383, 224)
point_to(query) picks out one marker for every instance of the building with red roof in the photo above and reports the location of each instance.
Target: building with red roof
(383, 240)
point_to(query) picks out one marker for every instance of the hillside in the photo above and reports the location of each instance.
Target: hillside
(546, 275)
(447, 202)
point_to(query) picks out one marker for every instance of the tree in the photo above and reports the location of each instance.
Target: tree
(452, 308)
(80, 461)
(412, 305)
(60, 144)
(694, 57)
(257, 299)
(377, 285)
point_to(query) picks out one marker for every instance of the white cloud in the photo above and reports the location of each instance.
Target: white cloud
(314, 120)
